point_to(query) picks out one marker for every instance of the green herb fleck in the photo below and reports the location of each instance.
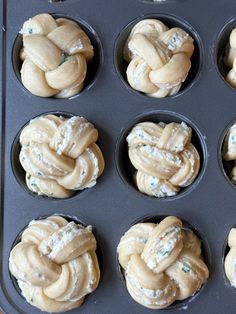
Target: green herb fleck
(185, 268)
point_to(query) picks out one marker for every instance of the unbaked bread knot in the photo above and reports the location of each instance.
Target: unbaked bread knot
(230, 259)
(55, 55)
(230, 59)
(60, 155)
(162, 262)
(229, 150)
(55, 264)
(158, 57)
(164, 157)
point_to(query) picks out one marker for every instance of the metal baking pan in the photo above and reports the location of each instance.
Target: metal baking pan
(206, 102)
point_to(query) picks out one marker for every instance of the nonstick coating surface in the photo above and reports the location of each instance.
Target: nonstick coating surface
(112, 206)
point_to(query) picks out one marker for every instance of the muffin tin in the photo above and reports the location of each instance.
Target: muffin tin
(111, 206)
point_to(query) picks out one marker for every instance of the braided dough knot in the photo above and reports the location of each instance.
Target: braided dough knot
(230, 59)
(162, 262)
(55, 55)
(55, 264)
(158, 57)
(60, 155)
(163, 156)
(230, 260)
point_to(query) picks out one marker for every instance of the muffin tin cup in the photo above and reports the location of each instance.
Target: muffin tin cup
(177, 305)
(69, 219)
(170, 21)
(125, 167)
(93, 67)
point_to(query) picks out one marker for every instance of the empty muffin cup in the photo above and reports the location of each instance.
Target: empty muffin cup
(55, 155)
(156, 257)
(140, 151)
(74, 249)
(67, 66)
(175, 46)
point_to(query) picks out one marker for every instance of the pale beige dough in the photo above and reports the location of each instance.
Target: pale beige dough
(164, 157)
(229, 146)
(230, 259)
(60, 155)
(230, 59)
(158, 58)
(229, 150)
(55, 54)
(161, 262)
(55, 264)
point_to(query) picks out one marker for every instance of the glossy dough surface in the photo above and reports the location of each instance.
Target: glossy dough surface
(55, 54)
(60, 155)
(161, 262)
(55, 264)
(164, 157)
(158, 58)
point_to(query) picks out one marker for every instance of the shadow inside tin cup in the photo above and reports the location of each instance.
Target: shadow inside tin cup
(225, 251)
(221, 46)
(93, 67)
(206, 254)
(19, 171)
(124, 166)
(69, 218)
(170, 21)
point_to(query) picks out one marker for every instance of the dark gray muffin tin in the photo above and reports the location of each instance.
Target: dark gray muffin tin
(114, 203)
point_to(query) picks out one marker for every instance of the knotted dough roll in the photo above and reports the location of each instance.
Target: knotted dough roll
(230, 59)
(161, 262)
(164, 157)
(230, 259)
(158, 58)
(54, 55)
(60, 155)
(55, 264)
(229, 147)
(229, 150)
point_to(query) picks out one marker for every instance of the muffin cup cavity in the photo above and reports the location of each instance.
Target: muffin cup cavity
(93, 67)
(206, 254)
(126, 170)
(170, 21)
(222, 42)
